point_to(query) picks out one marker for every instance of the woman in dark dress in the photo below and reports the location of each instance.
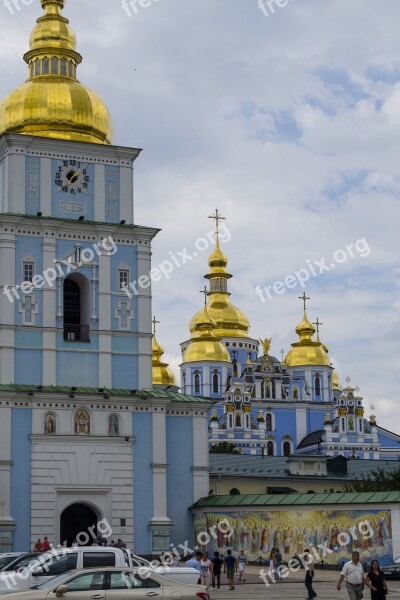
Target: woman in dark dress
(376, 581)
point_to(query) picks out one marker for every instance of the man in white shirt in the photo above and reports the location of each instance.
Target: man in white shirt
(353, 573)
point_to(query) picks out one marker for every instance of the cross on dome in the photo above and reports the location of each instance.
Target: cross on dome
(305, 298)
(217, 217)
(155, 323)
(317, 324)
(205, 292)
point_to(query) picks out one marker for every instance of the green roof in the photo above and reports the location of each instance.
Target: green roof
(297, 499)
(114, 392)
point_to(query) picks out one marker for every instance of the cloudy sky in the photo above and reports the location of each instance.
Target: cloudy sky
(288, 121)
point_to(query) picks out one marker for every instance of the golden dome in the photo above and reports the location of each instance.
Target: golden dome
(229, 320)
(52, 103)
(335, 380)
(204, 345)
(161, 373)
(307, 351)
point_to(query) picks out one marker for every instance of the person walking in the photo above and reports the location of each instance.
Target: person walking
(194, 562)
(375, 580)
(353, 573)
(230, 567)
(308, 581)
(38, 547)
(206, 570)
(278, 561)
(217, 563)
(46, 545)
(243, 562)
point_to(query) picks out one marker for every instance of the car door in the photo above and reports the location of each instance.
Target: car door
(126, 585)
(83, 586)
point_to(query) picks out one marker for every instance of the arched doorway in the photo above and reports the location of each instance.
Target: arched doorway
(78, 521)
(76, 308)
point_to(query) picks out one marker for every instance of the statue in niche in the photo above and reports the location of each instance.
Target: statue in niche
(50, 424)
(266, 344)
(113, 425)
(82, 423)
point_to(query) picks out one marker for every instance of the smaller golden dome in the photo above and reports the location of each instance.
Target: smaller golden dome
(218, 261)
(161, 373)
(335, 380)
(328, 419)
(307, 352)
(204, 345)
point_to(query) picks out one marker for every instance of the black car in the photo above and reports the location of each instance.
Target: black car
(392, 570)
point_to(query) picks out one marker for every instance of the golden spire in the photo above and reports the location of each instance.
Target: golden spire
(230, 321)
(161, 373)
(204, 345)
(52, 103)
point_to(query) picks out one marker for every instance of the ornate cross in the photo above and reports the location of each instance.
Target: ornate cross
(304, 298)
(205, 292)
(317, 324)
(155, 323)
(217, 218)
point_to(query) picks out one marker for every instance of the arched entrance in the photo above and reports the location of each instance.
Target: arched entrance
(78, 521)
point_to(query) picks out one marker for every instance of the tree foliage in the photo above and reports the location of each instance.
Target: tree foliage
(378, 480)
(224, 448)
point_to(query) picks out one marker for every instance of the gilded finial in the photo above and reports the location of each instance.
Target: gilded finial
(217, 217)
(57, 3)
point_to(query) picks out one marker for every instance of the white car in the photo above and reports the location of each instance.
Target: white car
(112, 583)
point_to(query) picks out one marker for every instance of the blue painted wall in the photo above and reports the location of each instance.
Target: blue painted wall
(142, 481)
(21, 427)
(180, 477)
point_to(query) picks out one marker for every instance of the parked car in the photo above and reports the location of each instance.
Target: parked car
(392, 570)
(8, 557)
(111, 583)
(40, 568)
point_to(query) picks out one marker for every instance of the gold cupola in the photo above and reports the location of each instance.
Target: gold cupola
(335, 380)
(52, 103)
(229, 320)
(307, 352)
(204, 344)
(161, 373)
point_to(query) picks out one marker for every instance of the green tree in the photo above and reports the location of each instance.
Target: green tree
(224, 448)
(378, 480)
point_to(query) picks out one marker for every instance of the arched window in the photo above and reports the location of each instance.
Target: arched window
(247, 421)
(113, 425)
(270, 449)
(76, 309)
(63, 70)
(343, 425)
(262, 388)
(230, 421)
(273, 388)
(268, 394)
(54, 65)
(234, 492)
(235, 367)
(215, 382)
(45, 66)
(360, 424)
(50, 426)
(268, 421)
(317, 385)
(196, 382)
(184, 382)
(286, 449)
(238, 420)
(82, 422)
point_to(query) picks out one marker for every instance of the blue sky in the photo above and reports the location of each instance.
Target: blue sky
(290, 125)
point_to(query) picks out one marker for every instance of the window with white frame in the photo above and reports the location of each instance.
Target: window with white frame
(28, 270)
(123, 278)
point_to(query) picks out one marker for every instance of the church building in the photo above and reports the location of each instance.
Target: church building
(84, 435)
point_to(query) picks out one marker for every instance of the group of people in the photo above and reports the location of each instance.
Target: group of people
(210, 569)
(353, 575)
(42, 546)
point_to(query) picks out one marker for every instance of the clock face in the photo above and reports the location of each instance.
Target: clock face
(71, 177)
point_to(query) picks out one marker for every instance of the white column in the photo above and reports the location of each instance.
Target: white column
(159, 466)
(99, 193)
(301, 424)
(104, 319)
(7, 306)
(46, 186)
(200, 457)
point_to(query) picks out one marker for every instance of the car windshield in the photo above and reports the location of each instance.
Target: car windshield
(5, 560)
(53, 582)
